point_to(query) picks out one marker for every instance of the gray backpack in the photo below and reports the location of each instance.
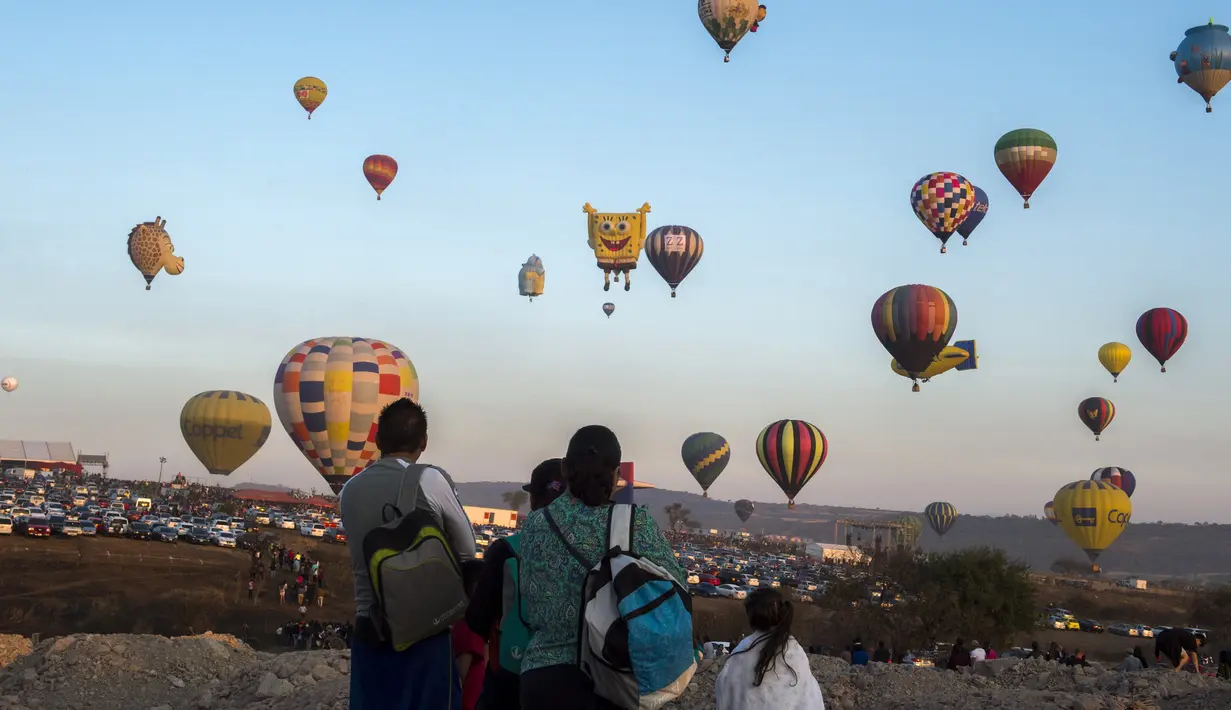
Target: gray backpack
(415, 574)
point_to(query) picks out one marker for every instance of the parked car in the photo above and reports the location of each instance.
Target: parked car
(225, 538)
(335, 535)
(57, 524)
(1122, 629)
(6, 526)
(731, 591)
(72, 528)
(89, 527)
(1145, 631)
(1091, 626)
(704, 589)
(117, 526)
(37, 526)
(1056, 622)
(139, 531)
(199, 536)
(163, 533)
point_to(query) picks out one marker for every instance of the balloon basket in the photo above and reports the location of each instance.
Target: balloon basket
(726, 59)
(963, 242)
(944, 250)
(1161, 369)
(1026, 205)
(790, 505)
(915, 387)
(673, 294)
(705, 494)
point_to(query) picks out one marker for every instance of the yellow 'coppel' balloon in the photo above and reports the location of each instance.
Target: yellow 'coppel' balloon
(1092, 514)
(1115, 357)
(225, 428)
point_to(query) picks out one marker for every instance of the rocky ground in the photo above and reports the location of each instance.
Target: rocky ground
(217, 672)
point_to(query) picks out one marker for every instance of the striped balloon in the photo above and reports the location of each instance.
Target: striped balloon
(328, 393)
(705, 454)
(1049, 512)
(941, 516)
(914, 323)
(1025, 156)
(1121, 478)
(791, 452)
(380, 171)
(674, 251)
(1162, 331)
(1096, 413)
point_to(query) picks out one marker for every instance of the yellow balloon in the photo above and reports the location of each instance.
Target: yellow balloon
(1092, 514)
(1115, 357)
(531, 278)
(310, 92)
(224, 428)
(948, 359)
(617, 239)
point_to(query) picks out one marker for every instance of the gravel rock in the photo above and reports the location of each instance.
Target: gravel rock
(211, 672)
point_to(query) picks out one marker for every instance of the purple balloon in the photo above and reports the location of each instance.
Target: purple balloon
(976, 215)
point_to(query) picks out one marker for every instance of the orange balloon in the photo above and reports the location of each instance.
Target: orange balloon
(380, 171)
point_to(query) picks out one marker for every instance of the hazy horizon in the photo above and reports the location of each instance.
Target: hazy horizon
(794, 162)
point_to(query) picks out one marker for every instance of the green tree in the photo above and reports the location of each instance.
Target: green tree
(679, 517)
(516, 500)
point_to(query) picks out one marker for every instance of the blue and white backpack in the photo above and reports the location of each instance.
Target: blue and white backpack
(636, 623)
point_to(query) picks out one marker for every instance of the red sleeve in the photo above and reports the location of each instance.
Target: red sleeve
(467, 641)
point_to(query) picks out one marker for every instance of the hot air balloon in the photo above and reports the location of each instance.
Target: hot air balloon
(1024, 157)
(1049, 512)
(617, 239)
(744, 509)
(975, 216)
(1092, 514)
(608, 308)
(705, 454)
(328, 393)
(791, 452)
(1121, 478)
(1162, 331)
(941, 516)
(1096, 413)
(310, 92)
(151, 250)
(674, 251)
(760, 18)
(948, 359)
(380, 171)
(531, 278)
(1114, 358)
(728, 21)
(1203, 60)
(224, 428)
(8, 384)
(942, 201)
(914, 323)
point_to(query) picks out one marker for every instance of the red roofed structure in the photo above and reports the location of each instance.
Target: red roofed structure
(282, 498)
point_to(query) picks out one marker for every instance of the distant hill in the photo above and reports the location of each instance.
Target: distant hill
(1150, 550)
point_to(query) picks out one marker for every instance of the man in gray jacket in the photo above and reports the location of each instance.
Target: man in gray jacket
(422, 676)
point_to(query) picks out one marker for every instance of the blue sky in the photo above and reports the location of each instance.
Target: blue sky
(794, 162)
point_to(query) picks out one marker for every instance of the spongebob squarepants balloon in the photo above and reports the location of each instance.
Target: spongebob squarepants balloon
(531, 277)
(617, 239)
(151, 250)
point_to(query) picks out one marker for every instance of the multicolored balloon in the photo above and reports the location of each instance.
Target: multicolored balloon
(150, 250)
(942, 201)
(1025, 156)
(705, 454)
(975, 216)
(531, 278)
(914, 323)
(224, 428)
(609, 308)
(1203, 60)
(328, 393)
(1121, 478)
(1096, 413)
(310, 92)
(674, 251)
(380, 171)
(941, 516)
(791, 452)
(728, 21)
(1114, 357)
(1162, 331)
(1049, 512)
(744, 508)
(8, 384)
(1092, 514)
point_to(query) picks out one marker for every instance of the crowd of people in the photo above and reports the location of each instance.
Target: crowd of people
(439, 628)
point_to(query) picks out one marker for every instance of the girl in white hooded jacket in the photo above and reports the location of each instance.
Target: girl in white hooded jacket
(768, 670)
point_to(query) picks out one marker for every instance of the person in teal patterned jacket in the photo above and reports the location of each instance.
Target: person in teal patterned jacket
(552, 580)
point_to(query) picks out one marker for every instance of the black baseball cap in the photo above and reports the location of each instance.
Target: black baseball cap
(593, 446)
(547, 478)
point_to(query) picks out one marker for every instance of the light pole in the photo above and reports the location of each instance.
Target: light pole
(162, 460)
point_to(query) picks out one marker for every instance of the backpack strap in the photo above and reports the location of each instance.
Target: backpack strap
(514, 543)
(412, 472)
(551, 522)
(620, 530)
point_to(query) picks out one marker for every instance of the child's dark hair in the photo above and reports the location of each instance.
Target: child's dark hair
(590, 464)
(768, 610)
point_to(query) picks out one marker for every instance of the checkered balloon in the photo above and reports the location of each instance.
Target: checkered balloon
(942, 201)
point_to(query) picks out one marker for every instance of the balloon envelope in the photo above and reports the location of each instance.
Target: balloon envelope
(975, 216)
(1162, 331)
(1092, 514)
(8, 384)
(948, 359)
(328, 393)
(380, 171)
(791, 452)
(1114, 357)
(310, 92)
(224, 428)
(941, 516)
(150, 250)
(1121, 478)
(674, 251)
(1096, 413)
(942, 201)
(914, 323)
(1203, 60)
(727, 21)
(1049, 512)
(705, 454)
(531, 278)
(1025, 156)
(744, 509)
(608, 308)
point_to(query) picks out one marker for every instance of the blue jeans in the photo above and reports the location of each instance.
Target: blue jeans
(423, 677)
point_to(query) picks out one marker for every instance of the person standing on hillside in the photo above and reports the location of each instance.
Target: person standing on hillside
(423, 675)
(486, 616)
